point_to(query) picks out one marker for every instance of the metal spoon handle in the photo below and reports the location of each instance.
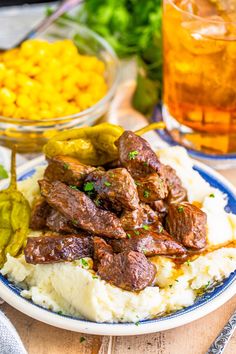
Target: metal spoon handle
(63, 7)
(220, 343)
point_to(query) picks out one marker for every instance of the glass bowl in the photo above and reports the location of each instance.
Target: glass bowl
(30, 135)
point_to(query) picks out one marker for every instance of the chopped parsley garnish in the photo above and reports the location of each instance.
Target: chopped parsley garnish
(160, 229)
(60, 313)
(170, 286)
(84, 262)
(144, 250)
(74, 222)
(176, 280)
(128, 235)
(73, 187)
(66, 166)
(95, 277)
(188, 262)
(137, 183)
(111, 175)
(3, 173)
(212, 195)
(146, 194)
(108, 184)
(89, 186)
(145, 164)
(97, 202)
(136, 232)
(180, 209)
(137, 323)
(133, 154)
(82, 339)
(145, 227)
(207, 285)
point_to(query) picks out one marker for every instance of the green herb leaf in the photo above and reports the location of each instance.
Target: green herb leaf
(82, 339)
(128, 235)
(84, 262)
(137, 183)
(89, 186)
(137, 323)
(97, 202)
(3, 173)
(133, 154)
(145, 227)
(176, 280)
(66, 166)
(146, 194)
(160, 229)
(207, 285)
(108, 184)
(136, 232)
(145, 164)
(170, 286)
(95, 277)
(212, 195)
(74, 222)
(188, 262)
(180, 209)
(60, 313)
(73, 187)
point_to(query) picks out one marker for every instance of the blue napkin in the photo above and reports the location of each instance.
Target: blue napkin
(10, 342)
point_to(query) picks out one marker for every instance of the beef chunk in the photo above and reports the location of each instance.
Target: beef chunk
(127, 270)
(39, 214)
(80, 210)
(58, 248)
(176, 192)
(151, 188)
(115, 185)
(58, 223)
(188, 224)
(161, 208)
(151, 242)
(68, 170)
(136, 155)
(144, 166)
(136, 218)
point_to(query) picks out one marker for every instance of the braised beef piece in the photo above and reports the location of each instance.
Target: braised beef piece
(58, 248)
(177, 193)
(59, 223)
(188, 224)
(39, 214)
(151, 188)
(161, 208)
(151, 242)
(136, 218)
(127, 270)
(80, 210)
(68, 170)
(117, 186)
(136, 155)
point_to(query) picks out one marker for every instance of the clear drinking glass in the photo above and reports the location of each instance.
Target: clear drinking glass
(200, 73)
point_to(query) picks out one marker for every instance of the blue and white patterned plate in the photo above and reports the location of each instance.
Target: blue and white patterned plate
(211, 300)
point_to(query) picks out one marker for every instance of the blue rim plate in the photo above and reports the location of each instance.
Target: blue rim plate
(205, 304)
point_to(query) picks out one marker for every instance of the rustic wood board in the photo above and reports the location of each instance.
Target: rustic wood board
(194, 338)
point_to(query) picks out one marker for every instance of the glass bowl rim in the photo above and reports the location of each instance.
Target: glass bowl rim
(105, 99)
(197, 16)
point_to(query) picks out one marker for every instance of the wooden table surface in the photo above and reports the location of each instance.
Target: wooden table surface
(193, 338)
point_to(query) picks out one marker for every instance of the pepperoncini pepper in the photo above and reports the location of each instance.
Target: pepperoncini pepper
(91, 145)
(14, 218)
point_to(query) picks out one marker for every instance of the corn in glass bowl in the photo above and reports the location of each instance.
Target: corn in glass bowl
(30, 135)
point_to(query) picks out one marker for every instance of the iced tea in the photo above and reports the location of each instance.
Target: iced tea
(200, 73)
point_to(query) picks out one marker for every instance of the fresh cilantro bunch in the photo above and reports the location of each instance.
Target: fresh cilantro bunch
(133, 28)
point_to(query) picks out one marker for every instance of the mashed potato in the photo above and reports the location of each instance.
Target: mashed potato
(73, 289)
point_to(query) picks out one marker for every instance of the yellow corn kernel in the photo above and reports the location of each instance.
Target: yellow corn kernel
(9, 110)
(7, 96)
(2, 71)
(23, 101)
